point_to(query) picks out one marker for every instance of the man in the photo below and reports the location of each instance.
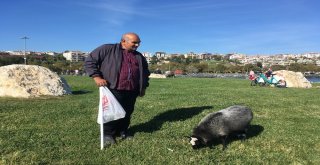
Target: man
(125, 72)
(268, 73)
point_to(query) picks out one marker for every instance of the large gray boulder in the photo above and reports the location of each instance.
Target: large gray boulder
(31, 81)
(293, 79)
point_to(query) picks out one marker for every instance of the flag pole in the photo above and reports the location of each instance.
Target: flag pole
(101, 136)
(101, 125)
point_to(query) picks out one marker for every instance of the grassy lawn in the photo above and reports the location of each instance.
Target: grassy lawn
(63, 130)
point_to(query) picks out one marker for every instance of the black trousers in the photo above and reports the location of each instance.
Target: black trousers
(127, 99)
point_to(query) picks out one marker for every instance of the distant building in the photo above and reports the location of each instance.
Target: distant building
(206, 56)
(51, 53)
(191, 55)
(74, 56)
(160, 55)
(236, 56)
(148, 56)
(18, 53)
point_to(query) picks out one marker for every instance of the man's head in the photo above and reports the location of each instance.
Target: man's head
(130, 41)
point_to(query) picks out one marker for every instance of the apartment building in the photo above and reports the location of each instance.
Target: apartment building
(75, 56)
(148, 56)
(160, 55)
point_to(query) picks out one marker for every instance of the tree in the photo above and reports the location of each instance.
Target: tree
(278, 67)
(235, 69)
(192, 69)
(259, 64)
(154, 67)
(294, 67)
(192, 60)
(220, 68)
(201, 67)
(154, 60)
(249, 67)
(8, 60)
(176, 59)
(217, 57)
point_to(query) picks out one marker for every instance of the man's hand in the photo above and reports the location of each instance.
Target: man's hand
(100, 81)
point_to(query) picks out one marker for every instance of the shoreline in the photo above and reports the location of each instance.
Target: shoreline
(311, 78)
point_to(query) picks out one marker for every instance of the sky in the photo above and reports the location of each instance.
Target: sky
(251, 27)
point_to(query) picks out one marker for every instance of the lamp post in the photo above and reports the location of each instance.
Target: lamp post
(25, 49)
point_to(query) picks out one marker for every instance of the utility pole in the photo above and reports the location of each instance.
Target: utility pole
(25, 49)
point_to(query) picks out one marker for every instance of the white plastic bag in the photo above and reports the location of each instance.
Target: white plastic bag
(109, 107)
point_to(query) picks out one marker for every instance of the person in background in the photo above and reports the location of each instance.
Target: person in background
(268, 73)
(125, 72)
(252, 75)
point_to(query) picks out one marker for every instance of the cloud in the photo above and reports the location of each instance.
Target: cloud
(112, 12)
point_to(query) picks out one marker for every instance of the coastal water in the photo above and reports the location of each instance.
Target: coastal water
(313, 79)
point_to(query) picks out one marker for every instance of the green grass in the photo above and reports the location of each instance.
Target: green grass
(63, 130)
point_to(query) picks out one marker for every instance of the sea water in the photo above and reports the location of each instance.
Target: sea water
(313, 79)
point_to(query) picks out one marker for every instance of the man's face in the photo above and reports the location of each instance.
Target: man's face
(131, 43)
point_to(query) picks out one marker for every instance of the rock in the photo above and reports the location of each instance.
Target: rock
(293, 79)
(166, 75)
(169, 74)
(31, 81)
(152, 75)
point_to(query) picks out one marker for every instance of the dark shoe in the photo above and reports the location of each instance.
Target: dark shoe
(109, 140)
(125, 136)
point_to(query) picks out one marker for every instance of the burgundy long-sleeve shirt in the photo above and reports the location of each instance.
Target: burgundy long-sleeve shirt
(129, 72)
